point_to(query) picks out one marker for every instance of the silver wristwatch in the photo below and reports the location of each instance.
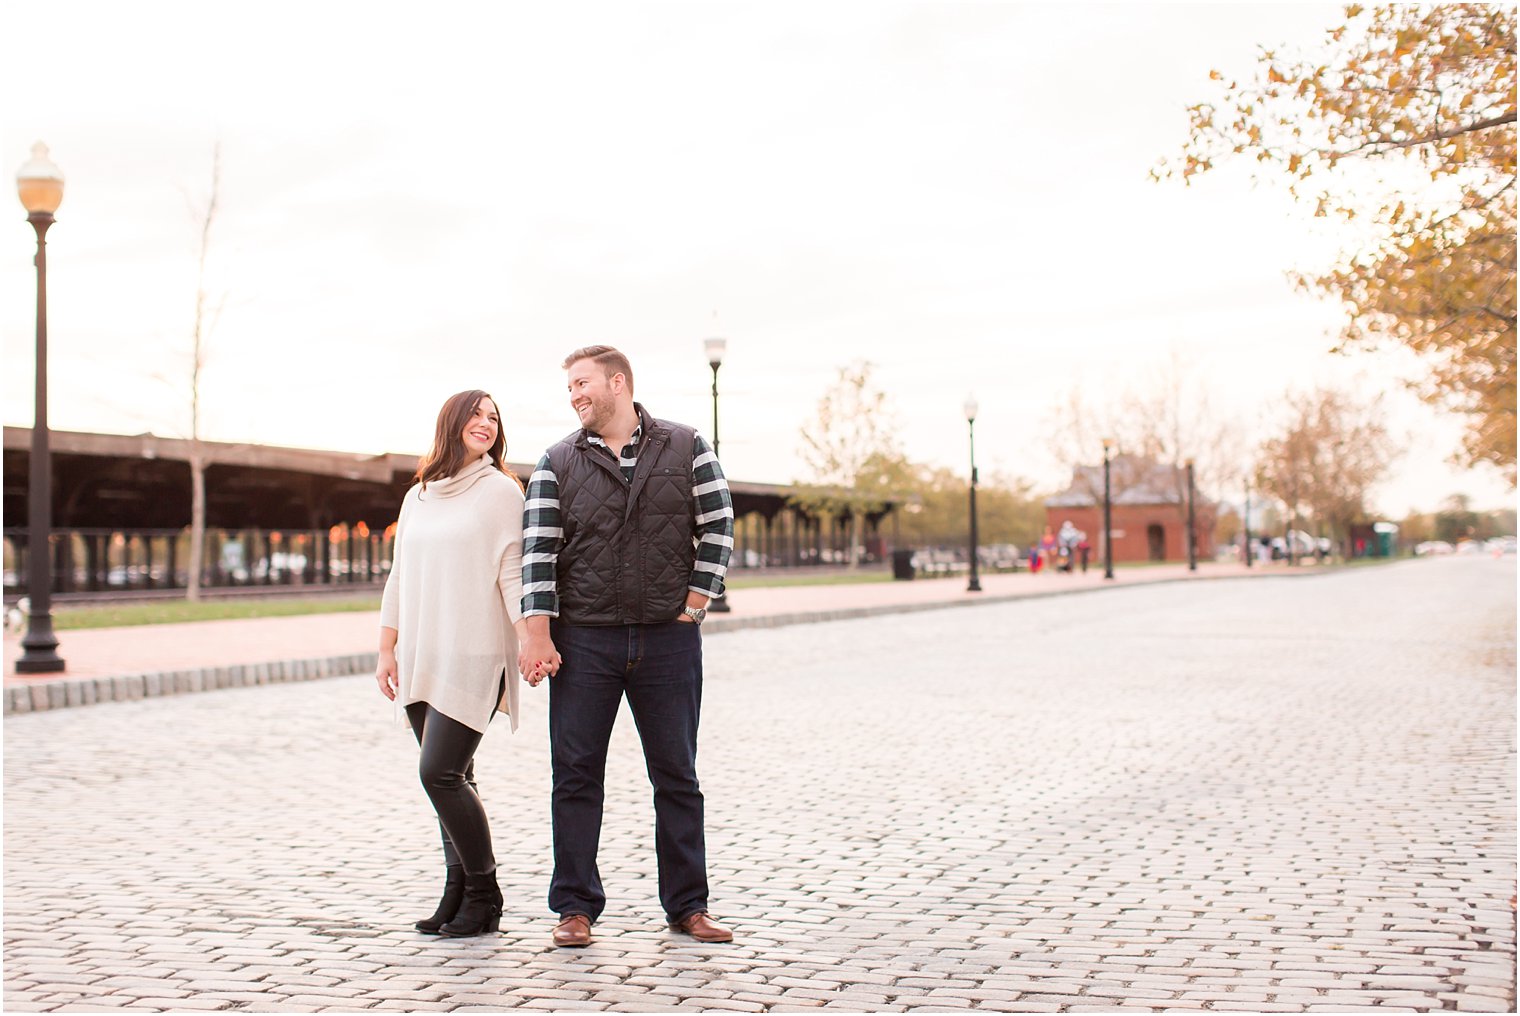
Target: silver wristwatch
(697, 614)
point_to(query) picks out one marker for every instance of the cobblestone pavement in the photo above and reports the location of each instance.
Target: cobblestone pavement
(1266, 795)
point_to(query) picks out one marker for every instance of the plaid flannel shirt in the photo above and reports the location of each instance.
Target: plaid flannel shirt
(544, 535)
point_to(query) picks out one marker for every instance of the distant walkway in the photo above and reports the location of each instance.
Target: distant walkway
(195, 655)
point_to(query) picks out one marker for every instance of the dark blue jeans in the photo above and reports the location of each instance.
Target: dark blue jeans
(659, 668)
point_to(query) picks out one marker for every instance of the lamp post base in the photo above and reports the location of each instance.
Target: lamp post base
(40, 654)
(40, 664)
(719, 605)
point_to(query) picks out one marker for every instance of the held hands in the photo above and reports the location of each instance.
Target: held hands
(385, 674)
(538, 659)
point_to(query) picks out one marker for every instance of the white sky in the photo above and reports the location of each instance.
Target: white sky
(422, 200)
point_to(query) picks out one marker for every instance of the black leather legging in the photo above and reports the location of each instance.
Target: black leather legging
(447, 771)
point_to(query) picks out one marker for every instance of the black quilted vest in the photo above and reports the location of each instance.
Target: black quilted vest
(629, 546)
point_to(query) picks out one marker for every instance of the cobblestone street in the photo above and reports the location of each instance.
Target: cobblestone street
(1284, 794)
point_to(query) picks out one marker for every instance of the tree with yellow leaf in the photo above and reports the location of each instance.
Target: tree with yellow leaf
(1427, 89)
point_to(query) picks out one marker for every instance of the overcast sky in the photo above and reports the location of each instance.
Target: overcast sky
(421, 200)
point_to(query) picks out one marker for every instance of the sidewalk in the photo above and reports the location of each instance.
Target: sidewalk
(106, 664)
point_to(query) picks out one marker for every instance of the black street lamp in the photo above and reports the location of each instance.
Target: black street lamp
(1192, 533)
(40, 186)
(1245, 514)
(975, 585)
(1108, 519)
(715, 349)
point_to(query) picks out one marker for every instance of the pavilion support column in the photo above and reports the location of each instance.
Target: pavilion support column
(63, 563)
(94, 556)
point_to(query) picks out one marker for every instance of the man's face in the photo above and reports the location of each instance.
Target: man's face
(592, 394)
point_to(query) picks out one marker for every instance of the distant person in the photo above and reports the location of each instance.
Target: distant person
(1084, 548)
(448, 648)
(1048, 546)
(1034, 559)
(1066, 539)
(629, 530)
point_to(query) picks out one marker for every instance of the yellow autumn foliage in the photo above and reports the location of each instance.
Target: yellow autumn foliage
(1430, 85)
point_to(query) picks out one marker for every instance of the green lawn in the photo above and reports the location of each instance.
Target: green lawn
(831, 578)
(166, 611)
(169, 611)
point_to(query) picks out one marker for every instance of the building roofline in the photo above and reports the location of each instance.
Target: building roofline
(380, 468)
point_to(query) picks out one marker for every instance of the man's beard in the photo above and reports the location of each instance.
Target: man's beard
(603, 409)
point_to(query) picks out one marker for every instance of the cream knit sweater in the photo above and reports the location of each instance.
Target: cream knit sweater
(454, 592)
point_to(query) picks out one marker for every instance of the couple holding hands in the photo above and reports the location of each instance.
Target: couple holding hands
(596, 580)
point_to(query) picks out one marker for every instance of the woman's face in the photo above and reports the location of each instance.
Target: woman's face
(482, 427)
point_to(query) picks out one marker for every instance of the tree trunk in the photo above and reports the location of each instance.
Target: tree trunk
(197, 526)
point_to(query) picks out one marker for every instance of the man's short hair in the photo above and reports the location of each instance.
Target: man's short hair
(610, 360)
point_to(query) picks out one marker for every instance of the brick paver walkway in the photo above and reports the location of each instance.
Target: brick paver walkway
(1249, 796)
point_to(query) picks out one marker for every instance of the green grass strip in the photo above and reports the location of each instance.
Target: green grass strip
(114, 615)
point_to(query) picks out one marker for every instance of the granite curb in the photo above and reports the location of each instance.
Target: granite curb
(85, 691)
(70, 692)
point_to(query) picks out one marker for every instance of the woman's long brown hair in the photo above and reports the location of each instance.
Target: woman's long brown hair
(448, 454)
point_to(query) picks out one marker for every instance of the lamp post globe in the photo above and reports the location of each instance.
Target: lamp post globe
(715, 348)
(975, 584)
(39, 185)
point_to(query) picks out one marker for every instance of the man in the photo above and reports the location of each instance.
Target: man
(627, 532)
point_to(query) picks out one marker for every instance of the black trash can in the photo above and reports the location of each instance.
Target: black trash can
(902, 564)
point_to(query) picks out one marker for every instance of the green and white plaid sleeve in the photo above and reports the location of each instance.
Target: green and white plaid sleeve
(715, 521)
(543, 535)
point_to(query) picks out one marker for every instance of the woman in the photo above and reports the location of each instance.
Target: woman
(448, 649)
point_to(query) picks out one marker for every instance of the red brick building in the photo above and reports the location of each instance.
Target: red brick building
(1149, 513)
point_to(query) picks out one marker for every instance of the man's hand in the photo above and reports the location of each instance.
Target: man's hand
(538, 659)
(385, 674)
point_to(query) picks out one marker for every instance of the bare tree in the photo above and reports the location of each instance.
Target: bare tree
(1173, 420)
(1331, 450)
(845, 448)
(1164, 421)
(206, 316)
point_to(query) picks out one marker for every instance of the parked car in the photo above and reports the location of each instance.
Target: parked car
(1304, 545)
(999, 556)
(1431, 548)
(1500, 545)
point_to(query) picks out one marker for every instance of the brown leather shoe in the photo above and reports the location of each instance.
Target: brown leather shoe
(573, 931)
(703, 928)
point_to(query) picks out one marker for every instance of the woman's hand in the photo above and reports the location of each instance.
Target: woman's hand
(385, 674)
(538, 659)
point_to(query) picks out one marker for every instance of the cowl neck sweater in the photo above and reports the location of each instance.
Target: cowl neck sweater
(453, 486)
(454, 592)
